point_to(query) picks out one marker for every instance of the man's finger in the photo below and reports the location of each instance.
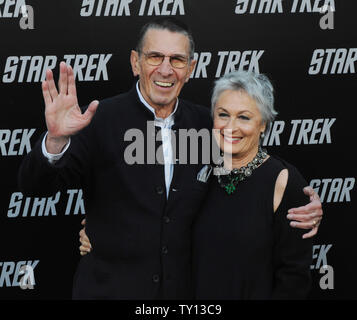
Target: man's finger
(82, 252)
(303, 217)
(86, 244)
(309, 191)
(310, 207)
(83, 222)
(46, 93)
(310, 234)
(89, 113)
(84, 248)
(83, 238)
(51, 84)
(71, 82)
(63, 79)
(303, 225)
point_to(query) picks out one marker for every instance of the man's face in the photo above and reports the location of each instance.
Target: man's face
(160, 85)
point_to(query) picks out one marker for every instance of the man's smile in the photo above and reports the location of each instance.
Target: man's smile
(164, 84)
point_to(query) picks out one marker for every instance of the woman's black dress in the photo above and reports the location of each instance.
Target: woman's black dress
(242, 249)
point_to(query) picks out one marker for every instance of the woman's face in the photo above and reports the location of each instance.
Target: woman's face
(238, 124)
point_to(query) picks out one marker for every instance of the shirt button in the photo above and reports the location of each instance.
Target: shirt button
(166, 219)
(159, 190)
(155, 278)
(165, 250)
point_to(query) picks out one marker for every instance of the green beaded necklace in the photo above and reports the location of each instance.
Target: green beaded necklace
(228, 179)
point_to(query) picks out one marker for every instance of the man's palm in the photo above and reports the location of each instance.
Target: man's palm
(63, 115)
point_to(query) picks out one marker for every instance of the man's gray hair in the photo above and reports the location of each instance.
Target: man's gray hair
(170, 24)
(257, 86)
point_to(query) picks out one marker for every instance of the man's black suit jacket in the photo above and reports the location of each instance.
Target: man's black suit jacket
(141, 240)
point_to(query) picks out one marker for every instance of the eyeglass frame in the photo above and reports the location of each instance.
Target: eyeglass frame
(146, 54)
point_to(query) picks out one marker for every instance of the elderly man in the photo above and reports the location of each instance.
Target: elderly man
(138, 216)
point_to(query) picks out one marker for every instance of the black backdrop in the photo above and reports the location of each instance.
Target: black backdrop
(313, 71)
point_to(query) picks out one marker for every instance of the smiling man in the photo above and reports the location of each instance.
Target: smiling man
(138, 217)
(164, 62)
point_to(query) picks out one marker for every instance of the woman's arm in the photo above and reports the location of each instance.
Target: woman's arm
(292, 254)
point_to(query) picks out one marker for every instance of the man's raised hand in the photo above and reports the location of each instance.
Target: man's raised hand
(63, 115)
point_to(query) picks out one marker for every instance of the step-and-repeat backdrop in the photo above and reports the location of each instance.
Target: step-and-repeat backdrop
(307, 47)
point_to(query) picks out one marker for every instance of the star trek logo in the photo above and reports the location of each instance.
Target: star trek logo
(278, 6)
(33, 68)
(224, 62)
(333, 61)
(112, 8)
(18, 274)
(301, 131)
(24, 207)
(15, 142)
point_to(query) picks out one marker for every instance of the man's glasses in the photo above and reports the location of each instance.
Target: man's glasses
(156, 58)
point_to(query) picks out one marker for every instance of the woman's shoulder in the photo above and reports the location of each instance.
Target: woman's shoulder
(294, 183)
(294, 174)
(280, 162)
